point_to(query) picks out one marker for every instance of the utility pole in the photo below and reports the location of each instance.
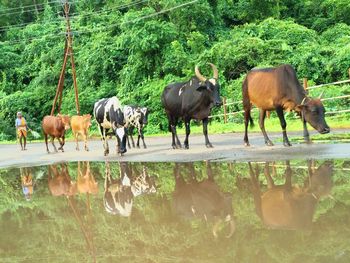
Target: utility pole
(68, 51)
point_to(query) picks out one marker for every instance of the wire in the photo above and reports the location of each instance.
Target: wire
(25, 6)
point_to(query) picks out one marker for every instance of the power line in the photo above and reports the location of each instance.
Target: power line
(18, 8)
(23, 25)
(108, 26)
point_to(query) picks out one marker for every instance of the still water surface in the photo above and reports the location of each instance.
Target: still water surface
(297, 211)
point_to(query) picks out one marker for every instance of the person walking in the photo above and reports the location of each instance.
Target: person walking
(21, 128)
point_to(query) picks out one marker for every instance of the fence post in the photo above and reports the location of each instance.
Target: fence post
(305, 83)
(225, 110)
(349, 73)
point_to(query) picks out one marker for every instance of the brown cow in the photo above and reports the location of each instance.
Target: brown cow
(55, 126)
(286, 206)
(80, 125)
(85, 181)
(279, 89)
(60, 183)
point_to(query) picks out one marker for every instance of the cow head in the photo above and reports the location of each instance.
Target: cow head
(320, 182)
(144, 115)
(313, 111)
(65, 121)
(212, 85)
(87, 120)
(119, 129)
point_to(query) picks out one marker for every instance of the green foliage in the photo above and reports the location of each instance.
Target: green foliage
(134, 54)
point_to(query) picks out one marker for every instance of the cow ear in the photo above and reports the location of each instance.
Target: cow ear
(201, 87)
(299, 108)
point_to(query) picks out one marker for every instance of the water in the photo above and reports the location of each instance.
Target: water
(166, 212)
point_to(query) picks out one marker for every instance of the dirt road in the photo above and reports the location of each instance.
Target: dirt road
(227, 147)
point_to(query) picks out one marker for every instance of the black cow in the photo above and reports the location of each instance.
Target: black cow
(279, 89)
(202, 199)
(191, 100)
(109, 115)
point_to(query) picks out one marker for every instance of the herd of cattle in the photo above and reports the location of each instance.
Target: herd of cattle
(268, 89)
(285, 206)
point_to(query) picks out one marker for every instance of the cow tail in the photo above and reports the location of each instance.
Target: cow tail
(247, 106)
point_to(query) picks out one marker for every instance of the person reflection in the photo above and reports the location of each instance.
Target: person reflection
(120, 192)
(289, 206)
(27, 182)
(202, 199)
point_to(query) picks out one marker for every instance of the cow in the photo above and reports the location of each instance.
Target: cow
(192, 99)
(202, 199)
(86, 182)
(60, 182)
(119, 193)
(56, 127)
(288, 206)
(279, 89)
(109, 115)
(135, 117)
(80, 126)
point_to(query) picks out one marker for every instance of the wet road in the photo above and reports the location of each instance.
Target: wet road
(227, 147)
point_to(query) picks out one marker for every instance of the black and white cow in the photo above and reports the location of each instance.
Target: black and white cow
(108, 114)
(135, 117)
(119, 193)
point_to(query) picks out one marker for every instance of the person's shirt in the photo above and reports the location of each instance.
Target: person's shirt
(20, 122)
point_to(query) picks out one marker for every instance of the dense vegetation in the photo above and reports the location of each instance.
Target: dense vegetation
(122, 49)
(45, 228)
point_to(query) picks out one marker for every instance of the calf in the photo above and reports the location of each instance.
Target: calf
(287, 206)
(279, 89)
(135, 117)
(80, 126)
(55, 126)
(108, 114)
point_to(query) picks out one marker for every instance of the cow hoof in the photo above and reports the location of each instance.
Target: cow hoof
(246, 144)
(77, 149)
(87, 149)
(209, 145)
(138, 146)
(287, 144)
(187, 147)
(174, 146)
(62, 150)
(269, 143)
(144, 147)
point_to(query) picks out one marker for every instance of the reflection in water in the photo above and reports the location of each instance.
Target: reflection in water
(119, 193)
(27, 182)
(202, 199)
(289, 206)
(67, 220)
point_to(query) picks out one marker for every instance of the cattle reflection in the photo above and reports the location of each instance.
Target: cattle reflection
(86, 182)
(120, 192)
(27, 182)
(202, 199)
(289, 206)
(60, 182)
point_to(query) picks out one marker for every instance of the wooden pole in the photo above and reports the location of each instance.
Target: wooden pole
(225, 109)
(349, 72)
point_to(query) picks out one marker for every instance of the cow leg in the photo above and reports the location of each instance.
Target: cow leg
(280, 114)
(306, 133)
(138, 136)
(61, 143)
(47, 147)
(76, 140)
(256, 190)
(270, 183)
(246, 123)
(105, 143)
(262, 115)
(142, 137)
(205, 132)
(53, 144)
(172, 128)
(85, 135)
(132, 138)
(188, 131)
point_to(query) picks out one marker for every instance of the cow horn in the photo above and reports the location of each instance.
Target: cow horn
(232, 228)
(199, 75)
(320, 97)
(215, 71)
(215, 227)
